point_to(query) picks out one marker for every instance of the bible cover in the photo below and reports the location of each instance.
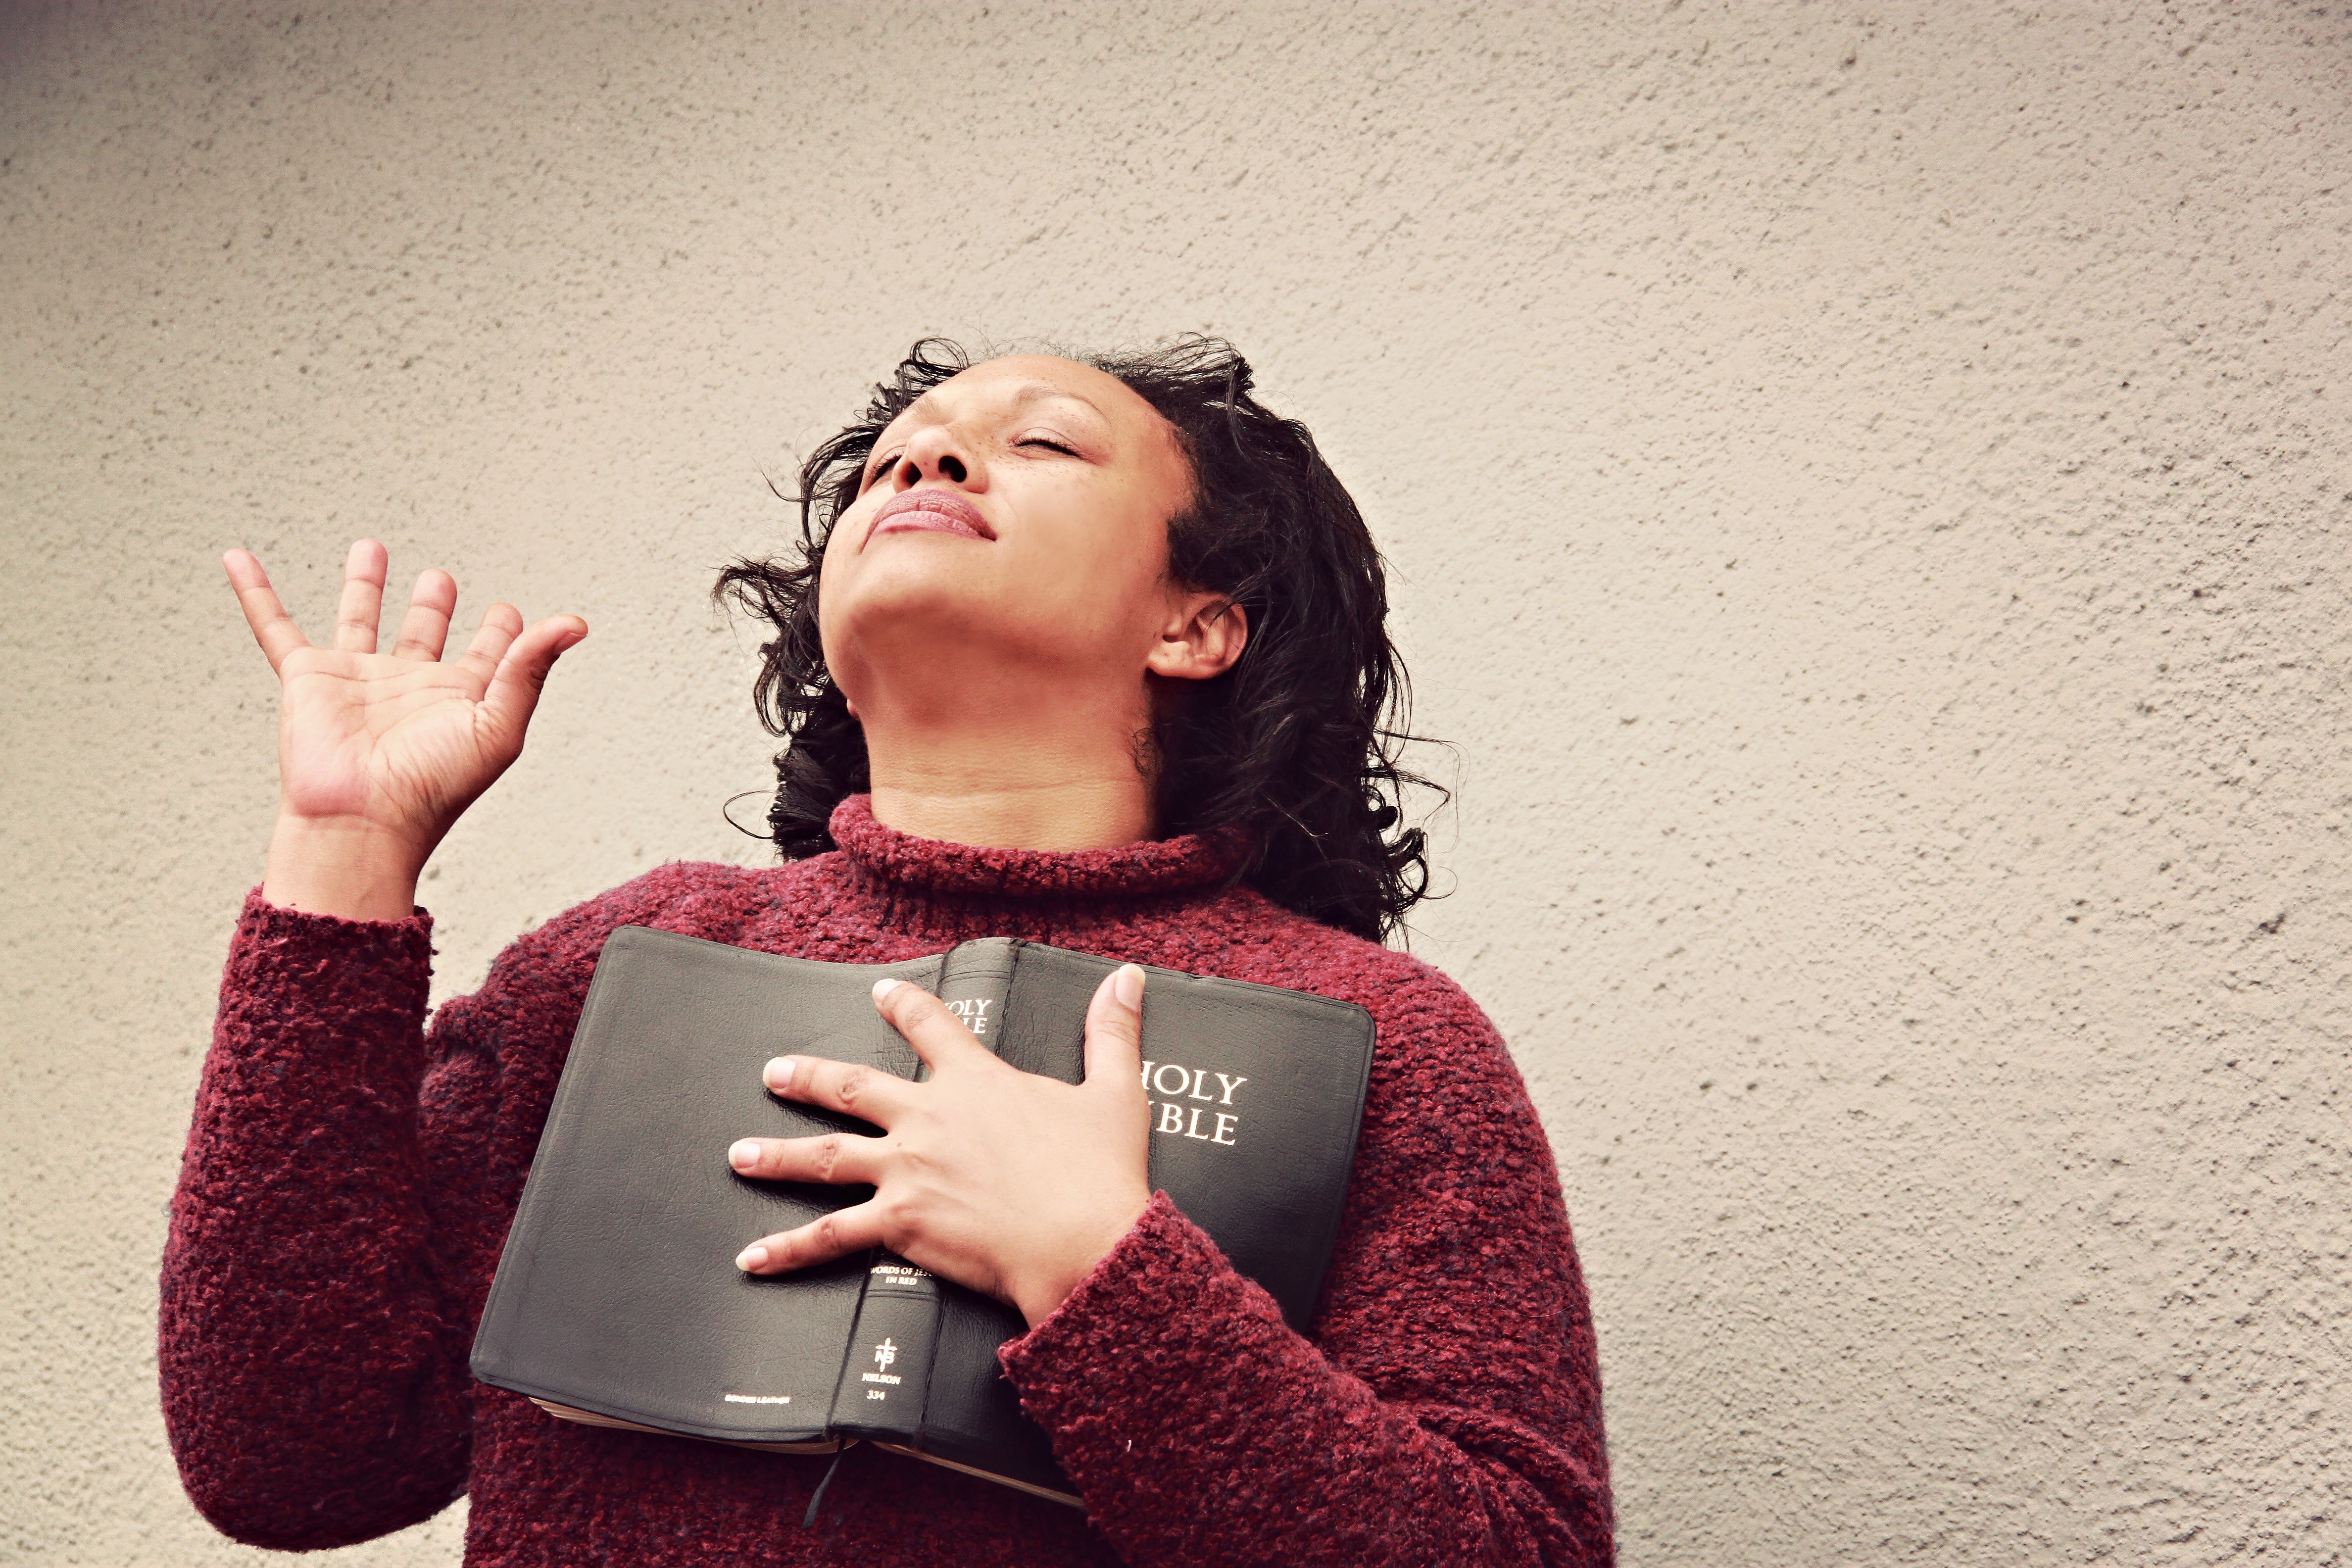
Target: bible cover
(617, 1301)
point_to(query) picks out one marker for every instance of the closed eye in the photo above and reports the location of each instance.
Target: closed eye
(1049, 445)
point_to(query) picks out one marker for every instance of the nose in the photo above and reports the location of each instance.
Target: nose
(937, 452)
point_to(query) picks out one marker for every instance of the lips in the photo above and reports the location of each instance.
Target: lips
(930, 510)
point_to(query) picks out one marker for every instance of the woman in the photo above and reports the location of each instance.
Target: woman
(1086, 653)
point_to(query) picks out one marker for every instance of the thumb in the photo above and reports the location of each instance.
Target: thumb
(515, 684)
(1115, 1029)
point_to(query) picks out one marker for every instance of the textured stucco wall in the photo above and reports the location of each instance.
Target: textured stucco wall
(1869, 491)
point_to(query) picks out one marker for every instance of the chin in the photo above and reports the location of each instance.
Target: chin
(950, 628)
(934, 577)
(916, 610)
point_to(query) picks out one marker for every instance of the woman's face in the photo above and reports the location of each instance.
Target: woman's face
(1012, 520)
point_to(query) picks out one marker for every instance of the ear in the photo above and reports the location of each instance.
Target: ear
(1202, 636)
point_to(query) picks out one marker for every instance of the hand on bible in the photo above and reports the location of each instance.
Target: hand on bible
(1001, 1180)
(378, 753)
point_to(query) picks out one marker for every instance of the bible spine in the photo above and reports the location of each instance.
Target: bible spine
(886, 1374)
(887, 1369)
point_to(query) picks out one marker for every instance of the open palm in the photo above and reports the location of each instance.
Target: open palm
(397, 744)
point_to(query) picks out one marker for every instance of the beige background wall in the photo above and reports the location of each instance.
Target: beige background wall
(1869, 492)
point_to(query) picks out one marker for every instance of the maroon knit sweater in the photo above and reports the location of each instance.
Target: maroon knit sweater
(353, 1170)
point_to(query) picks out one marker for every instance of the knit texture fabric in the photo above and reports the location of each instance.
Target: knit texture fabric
(353, 1169)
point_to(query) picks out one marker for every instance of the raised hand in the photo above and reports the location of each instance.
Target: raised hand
(378, 753)
(1009, 1183)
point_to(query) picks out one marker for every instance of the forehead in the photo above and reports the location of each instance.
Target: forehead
(1019, 380)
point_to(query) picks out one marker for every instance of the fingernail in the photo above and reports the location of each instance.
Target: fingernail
(743, 1154)
(752, 1257)
(779, 1072)
(883, 987)
(1127, 985)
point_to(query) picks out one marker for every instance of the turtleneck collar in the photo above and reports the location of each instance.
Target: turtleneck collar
(934, 867)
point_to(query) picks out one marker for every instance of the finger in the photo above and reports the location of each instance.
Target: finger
(836, 1234)
(522, 673)
(854, 1090)
(937, 1036)
(835, 1159)
(424, 629)
(1115, 1030)
(501, 624)
(363, 600)
(273, 628)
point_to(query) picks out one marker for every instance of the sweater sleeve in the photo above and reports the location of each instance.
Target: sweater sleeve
(348, 1183)
(1448, 1408)
(312, 1356)
(311, 1334)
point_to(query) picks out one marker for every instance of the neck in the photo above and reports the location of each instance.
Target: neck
(1005, 770)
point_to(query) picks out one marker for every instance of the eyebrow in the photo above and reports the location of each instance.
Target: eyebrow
(1026, 393)
(1034, 390)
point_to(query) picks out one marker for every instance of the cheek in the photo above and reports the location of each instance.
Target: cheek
(828, 596)
(1102, 584)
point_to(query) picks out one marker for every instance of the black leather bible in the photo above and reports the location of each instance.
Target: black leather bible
(617, 1301)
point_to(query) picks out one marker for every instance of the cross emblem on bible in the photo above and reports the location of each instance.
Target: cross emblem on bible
(885, 1354)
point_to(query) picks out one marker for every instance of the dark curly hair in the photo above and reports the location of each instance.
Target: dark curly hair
(1295, 747)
